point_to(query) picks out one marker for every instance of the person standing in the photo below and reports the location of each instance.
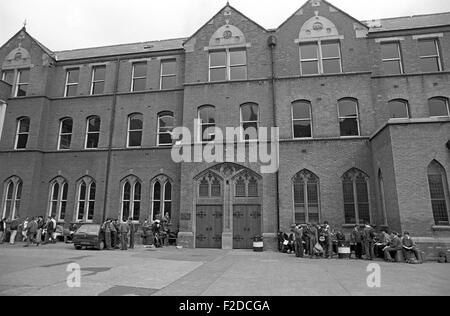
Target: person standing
(328, 243)
(132, 232)
(356, 240)
(117, 238)
(2, 230)
(313, 238)
(124, 229)
(13, 227)
(40, 227)
(107, 229)
(31, 231)
(49, 230)
(24, 227)
(369, 234)
(298, 240)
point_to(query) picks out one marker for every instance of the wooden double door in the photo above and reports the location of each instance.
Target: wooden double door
(209, 226)
(246, 225)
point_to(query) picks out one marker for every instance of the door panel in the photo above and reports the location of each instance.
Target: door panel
(209, 221)
(246, 225)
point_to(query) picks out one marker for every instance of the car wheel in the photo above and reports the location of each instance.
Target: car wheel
(78, 247)
(101, 246)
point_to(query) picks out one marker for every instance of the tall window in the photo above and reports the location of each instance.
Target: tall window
(398, 109)
(65, 134)
(93, 132)
(98, 80)
(168, 74)
(86, 200)
(249, 121)
(440, 200)
(135, 129)
(438, 107)
(58, 199)
(131, 199)
(23, 131)
(306, 197)
(301, 119)
(23, 79)
(206, 115)
(162, 198)
(429, 55)
(391, 59)
(229, 64)
(382, 197)
(12, 197)
(320, 58)
(139, 76)
(72, 78)
(165, 127)
(348, 117)
(355, 185)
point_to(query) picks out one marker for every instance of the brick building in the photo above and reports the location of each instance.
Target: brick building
(362, 109)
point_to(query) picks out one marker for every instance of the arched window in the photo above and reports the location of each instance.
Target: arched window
(65, 134)
(240, 187)
(58, 199)
(23, 131)
(246, 185)
(249, 121)
(86, 200)
(135, 129)
(206, 115)
(398, 109)
(161, 197)
(131, 199)
(210, 186)
(440, 201)
(348, 117)
(306, 197)
(93, 132)
(165, 127)
(12, 197)
(355, 185)
(301, 119)
(438, 107)
(204, 188)
(252, 187)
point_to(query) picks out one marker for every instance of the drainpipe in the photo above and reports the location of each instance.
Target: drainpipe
(272, 42)
(111, 134)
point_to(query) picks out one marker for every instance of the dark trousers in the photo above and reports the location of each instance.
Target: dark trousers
(123, 241)
(299, 251)
(358, 249)
(327, 246)
(108, 240)
(132, 241)
(31, 238)
(49, 235)
(307, 245)
(389, 251)
(407, 254)
(369, 248)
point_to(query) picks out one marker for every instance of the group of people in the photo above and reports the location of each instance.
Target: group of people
(121, 234)
(32, 230)
(319, 240)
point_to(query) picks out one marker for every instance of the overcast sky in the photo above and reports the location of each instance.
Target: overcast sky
(64, 24)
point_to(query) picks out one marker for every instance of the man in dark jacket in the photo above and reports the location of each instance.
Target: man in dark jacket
(394, 246)
(13, 227)
(50, 229)
(106, 227)
(410, 248)
(298, 240)
(369, 234)
(124, 229)
(31, 231)
(356, 242)
(132, 232)
(40, 228)
(2, 230)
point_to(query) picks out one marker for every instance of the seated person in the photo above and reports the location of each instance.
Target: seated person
(394, 246)
(382, 241)
(409, 247)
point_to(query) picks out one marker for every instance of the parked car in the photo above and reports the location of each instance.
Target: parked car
(69, 230)
(89, 236)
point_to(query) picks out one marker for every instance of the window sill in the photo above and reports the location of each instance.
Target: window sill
(349, 225)
(440, 228)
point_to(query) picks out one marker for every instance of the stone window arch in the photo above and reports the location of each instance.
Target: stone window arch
(12, 196)
(306, 197)
(355, 185)
(439, 193)
(86, 195)
(58, 194)
(162, 193)
(131, 193)
(209, 186)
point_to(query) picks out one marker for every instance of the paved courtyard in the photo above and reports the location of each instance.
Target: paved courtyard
(201, 272)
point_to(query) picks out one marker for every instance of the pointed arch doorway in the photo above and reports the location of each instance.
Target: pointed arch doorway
(228, 207)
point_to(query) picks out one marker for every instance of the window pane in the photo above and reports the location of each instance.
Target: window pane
(301, 110)
(71, 91)
(92, 140)
(72, 76)
(349, 127)
(330, 50)
(82, 192)
(136, 122)
(54, 207)
(24, 76)
(347, 108)
(240, 188)
(55, 192)
(218, 59)
(398, 109)
(24, 125)
(165, 121)
(8, 76)
(140, 70)
(299, 193)
(169, 82)
(203, 189)
(81, 210)
(302, 129)
(249, 112)
(427, 48)
(331, 66)
(168, 68)
(137, 191)
(9, 194)
(207, 114)
(252, 188)
(98, 87)
(215, 188)
(156, 209)
(208, 133)
(62, 215)
(300, 214)
(65, 141)
(157, 191)
(91, 208)
(250, 131)
(168, 192)
(19, 191)
(136, 211)
(22, 140)
(392, 67)
(94, 124)
(92, 192)
(127, 192)
(65, 191)
(168, 208)
(238, 73)
(125, 211)
(135, 139)
(390, 51)
(99, 73)
(218, 74)
(429, 64)
(238, 58)
(165, 139)
(22, 90)
(309, 51)
(66, 126)
(438, 107)
(139, 84)
(310, 67)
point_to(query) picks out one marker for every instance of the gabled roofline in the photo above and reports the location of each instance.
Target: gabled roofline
(324, 1)
(49, 52)
(227, 5)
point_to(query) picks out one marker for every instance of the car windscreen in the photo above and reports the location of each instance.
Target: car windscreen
(89, 229)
